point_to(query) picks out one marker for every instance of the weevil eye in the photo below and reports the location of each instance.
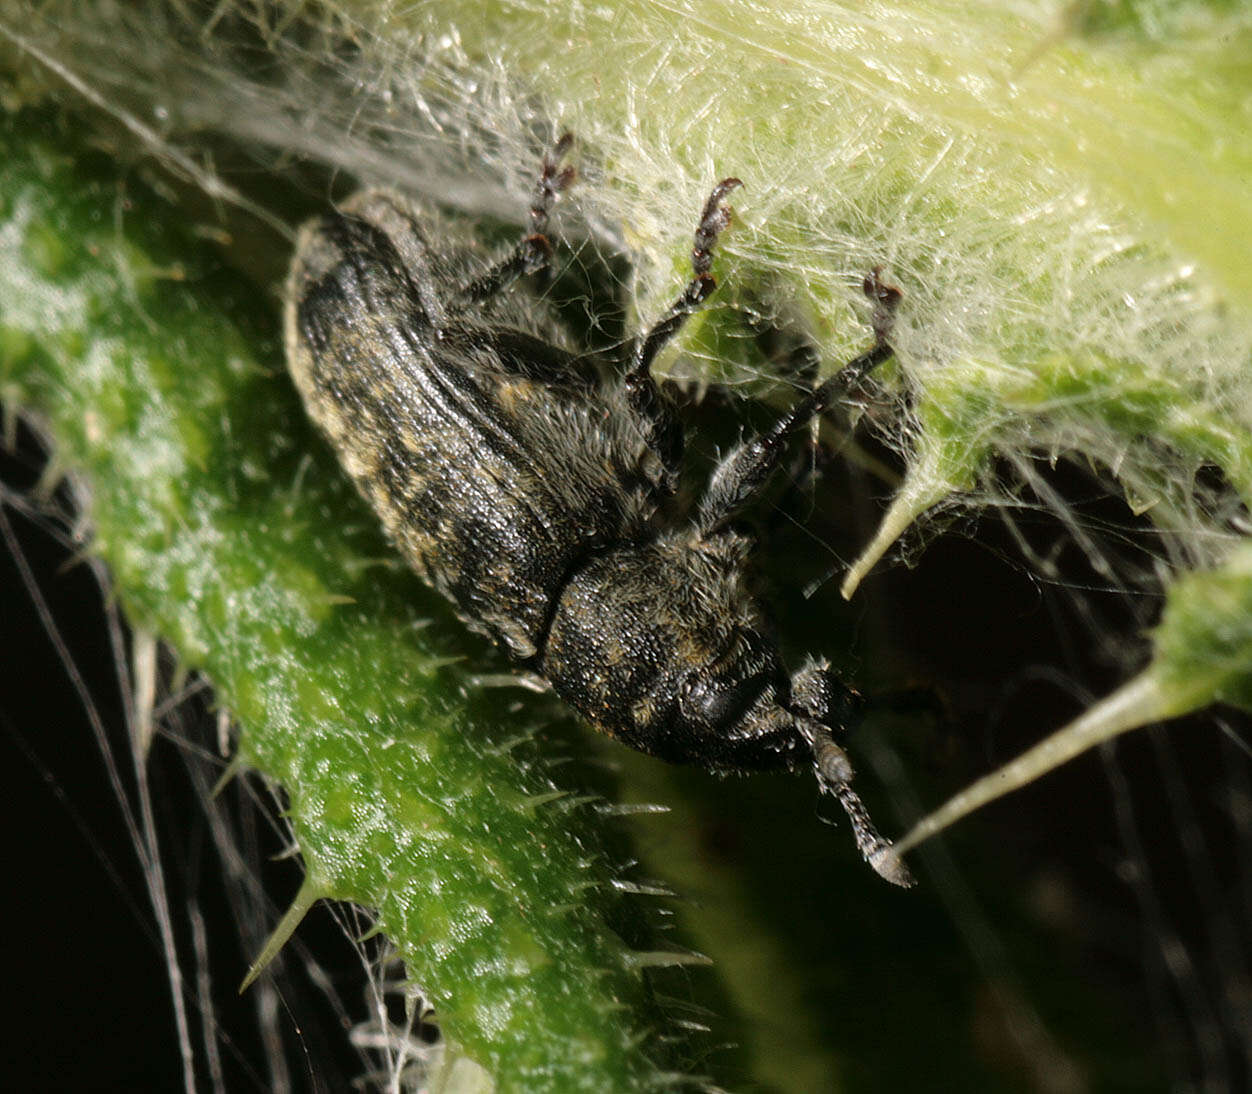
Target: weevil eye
(719, 704)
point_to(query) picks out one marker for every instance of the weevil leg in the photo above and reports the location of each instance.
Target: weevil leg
(533, 253)
(660, 427)
(743, 473)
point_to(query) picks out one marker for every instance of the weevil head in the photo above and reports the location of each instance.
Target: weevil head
(660, 645)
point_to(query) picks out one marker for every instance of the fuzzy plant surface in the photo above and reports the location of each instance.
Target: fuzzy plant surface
(1062, 192)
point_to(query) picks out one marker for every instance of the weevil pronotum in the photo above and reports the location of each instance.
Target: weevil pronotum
(532, 495)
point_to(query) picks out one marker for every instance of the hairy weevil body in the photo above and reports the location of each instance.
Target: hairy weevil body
(531, 494)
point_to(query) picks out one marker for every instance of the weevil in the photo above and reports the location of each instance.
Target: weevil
(535, 495)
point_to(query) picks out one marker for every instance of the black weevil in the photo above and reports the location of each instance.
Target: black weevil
(531, 494)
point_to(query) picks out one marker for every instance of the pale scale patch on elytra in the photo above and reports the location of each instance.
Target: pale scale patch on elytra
(514, 394)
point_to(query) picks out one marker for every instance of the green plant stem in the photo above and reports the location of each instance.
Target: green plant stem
(227, 539)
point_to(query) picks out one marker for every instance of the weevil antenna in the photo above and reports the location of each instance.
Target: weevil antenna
(834, 776)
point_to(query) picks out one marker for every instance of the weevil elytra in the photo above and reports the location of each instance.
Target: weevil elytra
(532, 495)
